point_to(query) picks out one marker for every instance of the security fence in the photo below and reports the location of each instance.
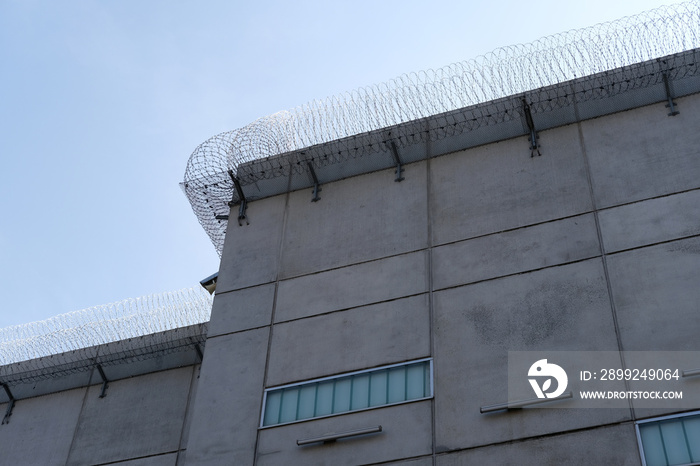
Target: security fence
(220, 168)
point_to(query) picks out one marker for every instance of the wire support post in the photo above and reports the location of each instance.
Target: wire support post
(10, 404)
(200, 354)
(534, 146)
(397, 159)
(671, 105)
(242, 201)
(314, 178)
(104, 381)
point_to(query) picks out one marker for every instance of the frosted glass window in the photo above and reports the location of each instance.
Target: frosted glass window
(324, 401)
(272, 408)
(290, 402)
(669, 442)
(383, 386)
(396, 389)
(307, 400)
(341, 400)
(360, 385)
(417, 380)
(377, 388)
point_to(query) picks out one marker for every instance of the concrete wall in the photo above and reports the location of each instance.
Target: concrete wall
(592, 246)
(142, 421)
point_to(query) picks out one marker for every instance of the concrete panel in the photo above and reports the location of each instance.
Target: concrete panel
(244, 309)
(344, 341)
(603, 446)
(352, 286)
(190, 406)
(229, 396)
(160, 460)
(499, 186)
(139, 417)
(657, 296)
(250, 255)
(406, 432)
(40, 429)
(515, 251)
(423, 461)
(357, 219)
(651, 221)
(644, 153)
(559, 308)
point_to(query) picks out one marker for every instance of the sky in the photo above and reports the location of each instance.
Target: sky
(102, 103)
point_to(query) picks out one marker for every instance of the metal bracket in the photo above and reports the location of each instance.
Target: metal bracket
(523, 403)
(670, 105)
(691, 373)
(104, 381)
(534, 147)
(242, 200)
(333, 437)
(198, 349)
(399, 168)
(10, 405)
(317, 186)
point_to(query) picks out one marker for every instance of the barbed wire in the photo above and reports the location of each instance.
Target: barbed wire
(504, 72)
(104, 324)
(122, 352)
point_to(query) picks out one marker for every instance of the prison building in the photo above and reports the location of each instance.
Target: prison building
(368, 319)
(372, 286)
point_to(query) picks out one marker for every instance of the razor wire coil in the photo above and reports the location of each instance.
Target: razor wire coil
(506, 71)
(122, 320)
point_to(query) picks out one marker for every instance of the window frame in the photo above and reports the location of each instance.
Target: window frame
(429, 360)
(659, 419)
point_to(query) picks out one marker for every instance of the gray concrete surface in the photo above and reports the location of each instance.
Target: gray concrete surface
(657, 296)
(185, 435)
(228, 401)
(651, 221)
(344, 341)
(406, 432)
(169, 459)
(498, 186)
(352, 286)
(644, 153)
(244, 309)
(41, 429)
(139, 417)
(515, 251)
(423, 461)
(560, 308)
(358, 219)
(616, 445)
(252, 249)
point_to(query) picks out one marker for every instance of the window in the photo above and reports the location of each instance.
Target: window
(398, 383)
(671, 440)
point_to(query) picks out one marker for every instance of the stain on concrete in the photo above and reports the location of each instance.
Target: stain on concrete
(547, 310)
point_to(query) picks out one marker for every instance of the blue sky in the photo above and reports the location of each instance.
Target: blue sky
(102, 102)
